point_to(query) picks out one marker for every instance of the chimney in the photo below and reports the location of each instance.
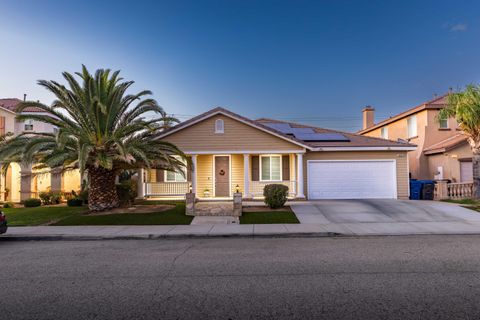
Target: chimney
(368, 117)
(24, 97)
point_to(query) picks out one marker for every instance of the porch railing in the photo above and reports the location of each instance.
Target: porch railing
(166, 188)
(457, 190)
(256, 187)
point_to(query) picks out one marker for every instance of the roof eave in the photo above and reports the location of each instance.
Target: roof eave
(383, 148)
(227, 114)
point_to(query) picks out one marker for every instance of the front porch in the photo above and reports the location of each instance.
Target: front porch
(217, 176)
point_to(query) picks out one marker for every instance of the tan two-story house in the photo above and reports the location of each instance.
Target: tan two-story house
(442, 153)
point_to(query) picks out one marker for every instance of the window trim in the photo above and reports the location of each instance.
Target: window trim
(29, 123)
(217, 129)
(261, 171)
(440, 124)
(177, 174)
(382, 130)
(415, 133)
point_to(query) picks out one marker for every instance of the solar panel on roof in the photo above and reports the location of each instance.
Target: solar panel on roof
(325, 137)
(302, 130)
(282, 127)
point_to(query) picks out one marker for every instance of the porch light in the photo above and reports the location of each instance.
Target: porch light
(237, 188)
(190, 188)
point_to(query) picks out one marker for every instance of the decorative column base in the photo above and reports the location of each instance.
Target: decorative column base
(237, 204)
(190, 204)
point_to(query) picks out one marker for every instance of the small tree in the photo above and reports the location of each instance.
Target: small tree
(464, 106)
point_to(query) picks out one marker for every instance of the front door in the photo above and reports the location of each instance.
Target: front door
(222, 176)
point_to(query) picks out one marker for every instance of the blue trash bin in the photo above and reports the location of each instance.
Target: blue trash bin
(416, 189)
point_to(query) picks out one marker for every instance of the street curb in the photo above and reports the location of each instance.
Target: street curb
(159, 237)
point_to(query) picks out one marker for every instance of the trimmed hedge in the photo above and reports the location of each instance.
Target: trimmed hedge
(275, 195)
(75, 202)
(32, 202)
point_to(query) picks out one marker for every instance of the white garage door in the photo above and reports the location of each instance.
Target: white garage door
(351, 179)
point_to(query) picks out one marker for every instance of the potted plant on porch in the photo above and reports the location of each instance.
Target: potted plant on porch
(206, 193)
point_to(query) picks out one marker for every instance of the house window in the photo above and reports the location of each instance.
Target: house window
(219, 126)
(384, 132)
(171, 176)
(412, 126)
(28, 125)
(271, 168)
(443, 123)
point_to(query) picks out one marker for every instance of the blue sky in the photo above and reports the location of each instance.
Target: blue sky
(317, 62)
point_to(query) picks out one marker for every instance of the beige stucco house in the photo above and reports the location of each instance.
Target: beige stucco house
(232, 153)
(22, 181)
(442, 153)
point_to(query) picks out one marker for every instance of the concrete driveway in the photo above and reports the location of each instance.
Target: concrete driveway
(385, 216)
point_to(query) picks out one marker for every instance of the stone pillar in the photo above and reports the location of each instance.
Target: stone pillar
(56, 180)
(237, 204)
(194, 173)
(300, 176)
(190, 204)
(442, 190)
(25, 182)
(141, 184)
(246, 175)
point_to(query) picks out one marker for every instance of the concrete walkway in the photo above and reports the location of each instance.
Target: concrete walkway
(236, 230)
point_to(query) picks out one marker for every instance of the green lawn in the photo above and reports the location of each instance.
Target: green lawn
(268, 217)
(173, 216)
(40, 215)
(464, 201)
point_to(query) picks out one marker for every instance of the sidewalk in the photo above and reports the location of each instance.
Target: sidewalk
(232, 230)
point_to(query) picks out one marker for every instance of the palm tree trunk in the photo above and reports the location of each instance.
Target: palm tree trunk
(102, 193)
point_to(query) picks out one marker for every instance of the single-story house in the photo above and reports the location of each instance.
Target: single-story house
(230, 152)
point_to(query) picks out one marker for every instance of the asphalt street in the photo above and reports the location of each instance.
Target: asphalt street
(421, 277)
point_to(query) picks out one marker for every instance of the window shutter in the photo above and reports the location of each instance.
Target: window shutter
(286, 167)
(255, 166)
(189, 171)
(2, 126)
(160, 175)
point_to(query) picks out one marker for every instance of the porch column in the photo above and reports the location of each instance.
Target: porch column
(2, 186)
(141, 184)
(194, 173)
(300, 176)
(246, 176)
(56, 180)
(25, 182)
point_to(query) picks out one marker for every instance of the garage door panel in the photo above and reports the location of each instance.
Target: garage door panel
(351, 179)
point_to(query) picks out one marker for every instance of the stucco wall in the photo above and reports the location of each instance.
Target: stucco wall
(399, 156)
(9, 121)
(449, 162)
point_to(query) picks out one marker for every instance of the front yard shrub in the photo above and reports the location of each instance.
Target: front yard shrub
(32, 202)
(9, 204)
(75, 202)
(84, 196)
(50, 197)
(127, 192)
(275, 195)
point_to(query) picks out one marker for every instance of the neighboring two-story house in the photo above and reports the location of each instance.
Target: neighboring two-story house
(23, 181)
(442, 153)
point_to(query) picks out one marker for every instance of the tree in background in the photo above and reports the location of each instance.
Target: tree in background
(464, 106)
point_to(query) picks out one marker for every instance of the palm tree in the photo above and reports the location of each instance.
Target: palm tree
(101, 130)
(464, 106)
